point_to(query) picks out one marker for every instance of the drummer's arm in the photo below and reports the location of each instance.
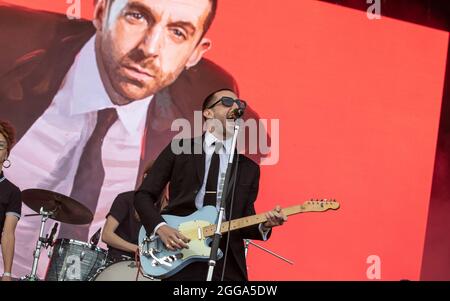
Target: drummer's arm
(8, 242)
(112, 239)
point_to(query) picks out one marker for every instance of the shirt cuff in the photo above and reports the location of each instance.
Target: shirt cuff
(263, 233)
(152, 237)
(13, 214)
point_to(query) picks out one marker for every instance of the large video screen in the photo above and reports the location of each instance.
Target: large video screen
(352, 107)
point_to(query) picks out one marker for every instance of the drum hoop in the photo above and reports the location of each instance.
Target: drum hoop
(61, 241)
(107, 266)
(102, 269)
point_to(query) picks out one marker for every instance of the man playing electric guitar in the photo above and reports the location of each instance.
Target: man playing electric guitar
(195, 182)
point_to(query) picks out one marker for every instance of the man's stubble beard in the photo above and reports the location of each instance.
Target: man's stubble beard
(110, 73)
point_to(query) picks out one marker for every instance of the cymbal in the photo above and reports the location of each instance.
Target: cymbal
(66, 209)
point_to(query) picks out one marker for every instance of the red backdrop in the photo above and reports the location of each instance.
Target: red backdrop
(358, 102)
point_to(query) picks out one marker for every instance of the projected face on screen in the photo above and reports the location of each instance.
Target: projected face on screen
(142, 46)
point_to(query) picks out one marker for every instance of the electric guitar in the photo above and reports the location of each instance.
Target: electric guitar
(199, 227)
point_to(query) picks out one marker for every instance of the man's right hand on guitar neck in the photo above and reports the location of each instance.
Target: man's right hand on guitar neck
(172, 238)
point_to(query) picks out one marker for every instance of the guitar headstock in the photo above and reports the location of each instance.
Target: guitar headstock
(320, 205)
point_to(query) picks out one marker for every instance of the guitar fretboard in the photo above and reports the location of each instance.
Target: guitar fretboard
(251, 220)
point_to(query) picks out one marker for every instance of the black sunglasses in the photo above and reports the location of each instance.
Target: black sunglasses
(228, 102)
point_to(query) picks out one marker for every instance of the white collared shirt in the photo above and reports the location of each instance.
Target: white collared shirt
(224, 154)
(47, 156)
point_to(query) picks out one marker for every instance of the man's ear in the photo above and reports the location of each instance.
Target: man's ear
(99, 14)
(204, 45)
(208, 114)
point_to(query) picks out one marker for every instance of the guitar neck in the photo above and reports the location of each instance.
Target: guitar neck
(249, 221)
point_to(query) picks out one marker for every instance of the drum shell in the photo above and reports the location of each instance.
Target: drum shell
(126, 270)
(74, 260)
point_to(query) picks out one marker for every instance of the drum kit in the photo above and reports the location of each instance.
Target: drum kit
(72, 260)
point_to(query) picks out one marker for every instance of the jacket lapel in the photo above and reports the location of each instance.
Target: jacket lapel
(199, 157)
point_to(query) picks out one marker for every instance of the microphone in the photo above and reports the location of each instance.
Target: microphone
(237, 113)
(50, 241)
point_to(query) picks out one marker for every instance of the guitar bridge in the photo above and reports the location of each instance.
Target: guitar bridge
(147, 247)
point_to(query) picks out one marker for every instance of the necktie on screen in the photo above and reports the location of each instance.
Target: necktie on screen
(90, 174)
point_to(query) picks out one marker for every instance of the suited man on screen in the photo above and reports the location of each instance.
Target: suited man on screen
(93, 101)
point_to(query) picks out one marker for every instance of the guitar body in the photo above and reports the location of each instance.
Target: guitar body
(190, 226)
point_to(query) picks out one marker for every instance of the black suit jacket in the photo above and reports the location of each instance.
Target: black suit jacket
(185, 172)
(38, 49)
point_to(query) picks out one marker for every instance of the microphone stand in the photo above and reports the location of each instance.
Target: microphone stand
(218, 234)
(249, 242)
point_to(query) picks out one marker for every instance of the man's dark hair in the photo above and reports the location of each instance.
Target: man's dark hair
(209, 99)
(211, 16)
(209, 20)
